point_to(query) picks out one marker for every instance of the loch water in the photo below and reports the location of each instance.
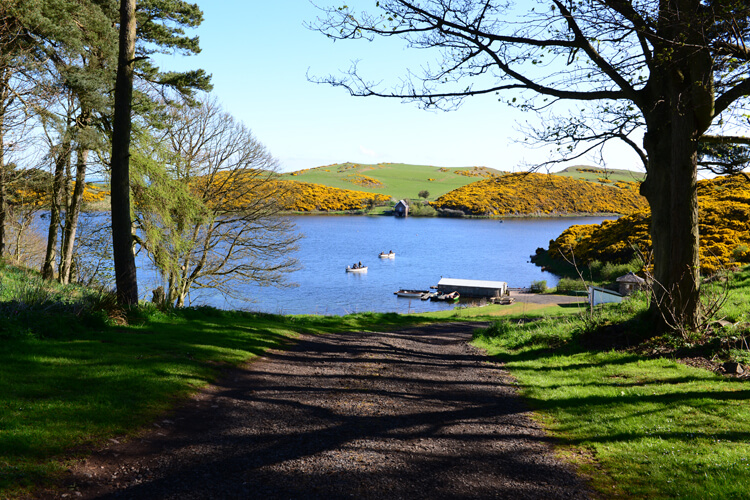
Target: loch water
(426, 249)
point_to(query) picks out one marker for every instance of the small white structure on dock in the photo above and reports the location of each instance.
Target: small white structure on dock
(473, 288)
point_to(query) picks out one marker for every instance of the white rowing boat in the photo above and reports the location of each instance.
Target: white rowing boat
(411, 294)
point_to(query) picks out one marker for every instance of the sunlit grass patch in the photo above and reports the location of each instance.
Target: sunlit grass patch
(655, 428)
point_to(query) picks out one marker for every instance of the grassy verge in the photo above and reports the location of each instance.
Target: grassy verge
(640, 427)
(61, 394)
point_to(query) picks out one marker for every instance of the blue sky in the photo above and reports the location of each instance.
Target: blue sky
(259, 54)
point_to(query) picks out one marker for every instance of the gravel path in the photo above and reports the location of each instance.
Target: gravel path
(409, 414)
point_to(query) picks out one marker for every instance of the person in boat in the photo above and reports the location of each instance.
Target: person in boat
(360, 265)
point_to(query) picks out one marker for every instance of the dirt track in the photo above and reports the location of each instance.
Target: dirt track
(410, 414)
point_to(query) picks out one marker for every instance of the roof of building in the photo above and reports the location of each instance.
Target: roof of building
(472, 283)
(630, 278)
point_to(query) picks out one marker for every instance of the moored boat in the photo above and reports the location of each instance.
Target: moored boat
(411, 294)
(448, 297)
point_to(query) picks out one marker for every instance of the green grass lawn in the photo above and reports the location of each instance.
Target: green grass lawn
(399, 180)
(59, 394)
(639, 427)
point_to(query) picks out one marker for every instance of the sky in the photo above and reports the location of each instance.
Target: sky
(261, 57)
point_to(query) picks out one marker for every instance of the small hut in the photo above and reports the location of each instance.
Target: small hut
(401, 209)
(630, 283)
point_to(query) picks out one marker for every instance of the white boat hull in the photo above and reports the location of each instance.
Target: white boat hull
(411, 294)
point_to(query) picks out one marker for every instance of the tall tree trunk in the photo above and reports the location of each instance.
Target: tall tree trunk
(172, 292)
(26, 218)
(61, 160)
(671, 191)
(122, 236)
(681, 109)
(71, 216)
(3, 197)
(3, 174)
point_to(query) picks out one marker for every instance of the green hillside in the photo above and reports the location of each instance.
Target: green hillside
(397, 180)
(593, 174)
(400, 180)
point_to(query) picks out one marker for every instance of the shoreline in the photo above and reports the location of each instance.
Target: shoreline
(437, 216)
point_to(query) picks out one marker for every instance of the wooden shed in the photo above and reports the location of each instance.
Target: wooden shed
(401, 209)
(473, 288)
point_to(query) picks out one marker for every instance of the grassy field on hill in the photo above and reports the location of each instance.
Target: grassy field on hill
(401, 180)
(585, 173)
(397, 180)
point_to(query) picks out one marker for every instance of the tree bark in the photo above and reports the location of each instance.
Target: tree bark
(61, 160)
(3, 176)
(122, 226)
(71, 216)
(3, 198)
(680, 109)
(671, 191)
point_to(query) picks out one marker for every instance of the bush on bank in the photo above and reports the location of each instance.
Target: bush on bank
(724, 204)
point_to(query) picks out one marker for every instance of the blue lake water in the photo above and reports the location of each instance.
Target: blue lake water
(426, 250)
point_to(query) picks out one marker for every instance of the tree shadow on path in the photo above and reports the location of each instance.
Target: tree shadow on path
(416, 413)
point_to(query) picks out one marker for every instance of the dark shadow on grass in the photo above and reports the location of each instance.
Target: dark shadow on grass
(573, 305)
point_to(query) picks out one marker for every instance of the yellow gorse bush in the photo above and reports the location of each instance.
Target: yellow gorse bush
(309, 197)
(29, 197)
(364, 181)
(94, 194)
(724, 217)
(540, 194)
(610, 241)
(244, 189)
(475, 172)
